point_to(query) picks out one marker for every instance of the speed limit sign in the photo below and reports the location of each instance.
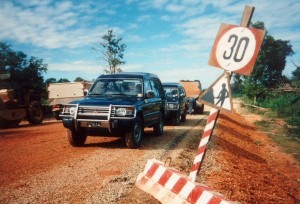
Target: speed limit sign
(236, 48)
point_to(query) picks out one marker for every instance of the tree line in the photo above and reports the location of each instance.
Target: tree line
(266, 86)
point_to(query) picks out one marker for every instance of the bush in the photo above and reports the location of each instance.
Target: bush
(286, 105)
(257, 91)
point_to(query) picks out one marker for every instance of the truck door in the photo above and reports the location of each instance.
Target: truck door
(152, 105)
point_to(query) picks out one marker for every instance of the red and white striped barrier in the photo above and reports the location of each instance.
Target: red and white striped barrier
(208, 130)
(169, 185)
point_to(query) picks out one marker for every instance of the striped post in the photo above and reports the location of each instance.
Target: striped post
(208, 130)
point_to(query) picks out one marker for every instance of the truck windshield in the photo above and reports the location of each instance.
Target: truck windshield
(120, 86)
(171, 92)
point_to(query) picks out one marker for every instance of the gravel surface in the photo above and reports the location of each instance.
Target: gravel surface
(37, 165)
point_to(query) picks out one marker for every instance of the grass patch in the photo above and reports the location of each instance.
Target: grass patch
(263, 124)
(276, 128)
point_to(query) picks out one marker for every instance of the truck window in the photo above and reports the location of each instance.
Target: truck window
(147, 85)
(160, 88)
(157, 88)
(182, 92)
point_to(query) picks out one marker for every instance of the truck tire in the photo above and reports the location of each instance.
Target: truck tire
(56, 115)
(133, 138)
(176, 119)
(9, 123)
(76, 139)
(183, 116)
(35, 113)
(13, 123)
(199, 109)
(159, 127)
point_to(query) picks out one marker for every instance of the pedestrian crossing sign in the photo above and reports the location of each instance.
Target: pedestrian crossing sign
(218, 95)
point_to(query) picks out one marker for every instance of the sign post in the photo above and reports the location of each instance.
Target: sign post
(235, 50)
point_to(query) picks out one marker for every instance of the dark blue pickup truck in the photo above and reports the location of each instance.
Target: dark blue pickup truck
(177, 103)
(122, 104)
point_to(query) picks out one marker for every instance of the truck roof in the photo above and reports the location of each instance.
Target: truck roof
(129, 75)
(175, 84)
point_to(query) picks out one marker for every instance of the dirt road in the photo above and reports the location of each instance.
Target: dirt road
(37, 165)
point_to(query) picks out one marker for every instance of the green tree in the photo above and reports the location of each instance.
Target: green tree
(62, 80)
(238, 84)
(269, 66)
(25, 74)
(271, 60)
(111, 52)
(79, 79)
(50, 80)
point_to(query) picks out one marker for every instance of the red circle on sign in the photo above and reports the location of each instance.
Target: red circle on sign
(247, 68)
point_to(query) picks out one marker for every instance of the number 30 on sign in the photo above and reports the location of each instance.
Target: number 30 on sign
(236, 48)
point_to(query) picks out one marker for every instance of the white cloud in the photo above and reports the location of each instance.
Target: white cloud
(166, 18)
(132, 67)
(159, 3)
(144, 18)
(133, 38)
(76, 66)
(148, 4)
(175, 8)
(49, 26)
(207, 75)
(160, 36)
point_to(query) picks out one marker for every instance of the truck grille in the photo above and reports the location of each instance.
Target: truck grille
(93, 112)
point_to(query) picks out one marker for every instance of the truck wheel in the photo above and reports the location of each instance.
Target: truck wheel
(2, 123)
(133, 138)
(13, 123)
(176, 119)
(76, 139)
(183, 116)
(159, 127)
(56, 115)
(199, 108)
(9, 123)
(35, 113)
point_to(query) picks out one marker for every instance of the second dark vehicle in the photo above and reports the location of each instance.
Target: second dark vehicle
(177, 103)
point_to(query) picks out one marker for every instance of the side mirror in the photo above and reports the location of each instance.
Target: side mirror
(150, 94)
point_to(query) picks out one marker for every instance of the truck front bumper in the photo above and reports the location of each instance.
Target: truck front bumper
(113, 125)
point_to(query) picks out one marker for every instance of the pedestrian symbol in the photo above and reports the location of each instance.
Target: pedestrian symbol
(218, 95)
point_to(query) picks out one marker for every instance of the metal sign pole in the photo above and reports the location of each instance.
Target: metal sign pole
(208, 131)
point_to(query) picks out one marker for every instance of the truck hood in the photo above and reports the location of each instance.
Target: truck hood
(106, 101)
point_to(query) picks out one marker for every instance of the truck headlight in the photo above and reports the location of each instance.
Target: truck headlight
(172, 106)
(121, 111)
(69, 110)
(72, 110)
(125, 111)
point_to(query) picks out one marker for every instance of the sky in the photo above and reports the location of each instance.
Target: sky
(170, 38)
